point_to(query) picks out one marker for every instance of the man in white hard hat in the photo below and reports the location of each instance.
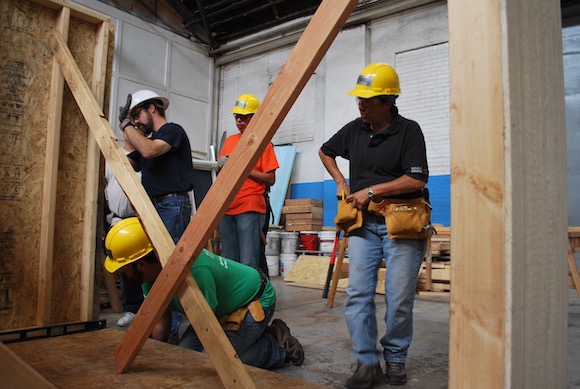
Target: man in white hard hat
(162, 154)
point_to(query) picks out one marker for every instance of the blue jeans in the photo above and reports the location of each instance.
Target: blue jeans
(240, 237)
(175, 212)
(254, 347)
(367, 246)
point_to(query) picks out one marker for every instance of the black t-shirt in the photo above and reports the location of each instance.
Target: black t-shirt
(382, 157)
(171, 172)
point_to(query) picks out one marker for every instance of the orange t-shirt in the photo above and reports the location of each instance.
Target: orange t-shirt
(251, 194)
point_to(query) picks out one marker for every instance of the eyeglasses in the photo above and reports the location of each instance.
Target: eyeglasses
(137, 112)
(244, 118)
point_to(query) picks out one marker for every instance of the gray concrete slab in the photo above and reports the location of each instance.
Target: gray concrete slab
(324, 335)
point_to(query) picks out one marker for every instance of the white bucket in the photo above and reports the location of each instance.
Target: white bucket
(286, 263)
(326, 239)
(273, 243)
(288, 242)
(273, 262)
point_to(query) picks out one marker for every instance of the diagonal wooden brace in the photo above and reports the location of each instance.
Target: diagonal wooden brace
(309, 51)
(228, 365)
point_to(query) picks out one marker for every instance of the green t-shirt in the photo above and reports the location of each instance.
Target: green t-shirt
(226, 284)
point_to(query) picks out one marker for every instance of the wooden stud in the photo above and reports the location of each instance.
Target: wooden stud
(508, 193)
(227, 363)
(45, 255)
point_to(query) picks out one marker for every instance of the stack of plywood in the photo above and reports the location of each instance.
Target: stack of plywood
(302, 215)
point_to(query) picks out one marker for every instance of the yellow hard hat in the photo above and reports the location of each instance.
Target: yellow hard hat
(246, 104)
(126, 242)
(376, 79)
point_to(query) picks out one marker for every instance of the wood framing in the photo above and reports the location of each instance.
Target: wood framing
(508, 195)
(309, 51)
(47, 201)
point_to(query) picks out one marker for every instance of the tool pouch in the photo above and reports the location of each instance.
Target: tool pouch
(233, 321)
(347, 217)
(405, 218)
(257, 311)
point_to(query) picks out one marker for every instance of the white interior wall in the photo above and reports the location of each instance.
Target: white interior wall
(149, 57)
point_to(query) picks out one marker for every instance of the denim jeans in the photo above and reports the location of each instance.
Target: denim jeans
(367, 246)
(254, 347)
(240, 237)
(175, 212)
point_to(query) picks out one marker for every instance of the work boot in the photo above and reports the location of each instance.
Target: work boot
(365, 376)
(396, 374)
(294, 351)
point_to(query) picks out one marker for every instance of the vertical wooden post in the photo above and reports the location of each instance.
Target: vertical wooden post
(45, 255)
(508, 195)
(92, 180)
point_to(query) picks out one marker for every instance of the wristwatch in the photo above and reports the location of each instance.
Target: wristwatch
(371, 193)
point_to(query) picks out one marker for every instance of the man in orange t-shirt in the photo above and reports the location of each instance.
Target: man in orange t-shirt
(242, 224)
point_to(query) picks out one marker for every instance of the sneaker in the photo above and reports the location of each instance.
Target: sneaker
(294, 351)
(126, 319)
(365, 376)
(396, 374)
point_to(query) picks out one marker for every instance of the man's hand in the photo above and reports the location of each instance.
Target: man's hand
(124, 110)
(124, 123)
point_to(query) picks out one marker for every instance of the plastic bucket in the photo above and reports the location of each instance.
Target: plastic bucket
(326, 240)
(273, 243)
(273, 262)
(288, 242)
(286, 263)
(309, 241)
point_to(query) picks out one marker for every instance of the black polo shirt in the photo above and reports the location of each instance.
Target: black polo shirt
(382, 157)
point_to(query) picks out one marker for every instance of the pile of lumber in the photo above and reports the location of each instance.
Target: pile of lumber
(302, 215)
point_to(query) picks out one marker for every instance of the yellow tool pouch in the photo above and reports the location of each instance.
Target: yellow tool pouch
(347, 217)
(233, 321)
(405, 219)
(257, 311)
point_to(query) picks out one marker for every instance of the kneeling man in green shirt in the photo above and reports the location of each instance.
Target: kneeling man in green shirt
(242, 298)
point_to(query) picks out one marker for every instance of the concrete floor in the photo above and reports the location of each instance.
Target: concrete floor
(328, 360)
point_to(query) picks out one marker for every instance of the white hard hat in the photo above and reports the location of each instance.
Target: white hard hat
(144, 95)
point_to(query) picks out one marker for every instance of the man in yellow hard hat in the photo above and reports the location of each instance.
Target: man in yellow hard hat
(242, 225)
(242, 298)
(388, 161)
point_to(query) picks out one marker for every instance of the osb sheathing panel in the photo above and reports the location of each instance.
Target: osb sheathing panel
(25, 67)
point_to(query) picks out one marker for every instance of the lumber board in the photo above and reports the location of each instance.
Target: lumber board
(304, 208)
(220, 350)
(16, 373)
(508, 290)
(45, 255)
(293, 202)
(92, 189)
(83, 361)
(307, 54)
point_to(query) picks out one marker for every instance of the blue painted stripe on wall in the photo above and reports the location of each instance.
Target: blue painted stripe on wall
(439, 189)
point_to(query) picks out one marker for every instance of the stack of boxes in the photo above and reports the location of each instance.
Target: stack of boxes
(302, 215)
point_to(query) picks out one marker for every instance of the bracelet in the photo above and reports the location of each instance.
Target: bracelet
(127, 125)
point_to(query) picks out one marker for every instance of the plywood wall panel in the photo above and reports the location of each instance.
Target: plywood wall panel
(25, 82)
